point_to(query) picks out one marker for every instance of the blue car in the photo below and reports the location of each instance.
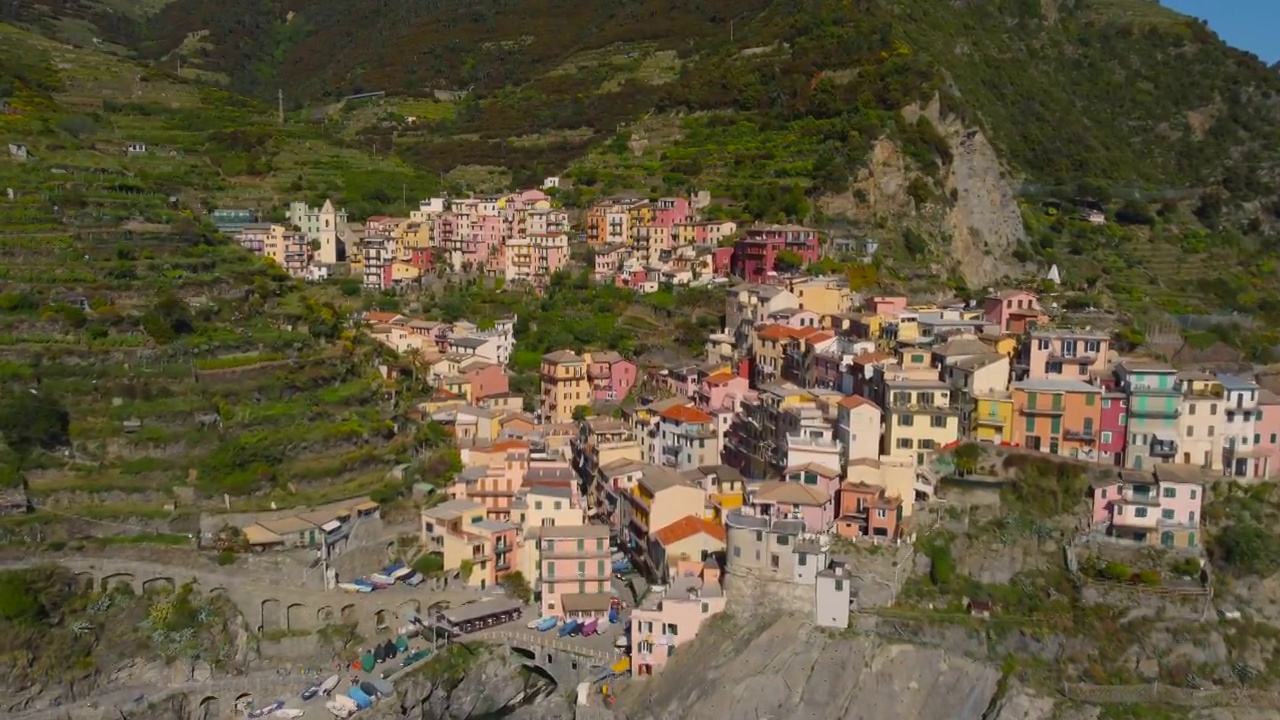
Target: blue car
(569, 628)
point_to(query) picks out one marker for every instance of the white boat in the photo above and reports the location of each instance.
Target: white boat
(382, 579)
(338, 710)
(329, 684)
(402, 573)
(288, 713)
(352, 587)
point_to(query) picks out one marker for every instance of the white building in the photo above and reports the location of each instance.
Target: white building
(320, 225)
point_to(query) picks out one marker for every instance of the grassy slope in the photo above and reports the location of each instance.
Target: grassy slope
(307, 427)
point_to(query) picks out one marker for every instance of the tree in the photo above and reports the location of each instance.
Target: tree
(788, 261)
(1248, 548)
(168, 319)
(33, 420)
(1134, 212)
(581, 412)
(517, 586)
(966, 457)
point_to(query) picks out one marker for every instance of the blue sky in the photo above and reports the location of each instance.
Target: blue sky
(1252, 25)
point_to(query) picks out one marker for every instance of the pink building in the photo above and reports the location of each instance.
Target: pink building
(815, 475)
(755, 256)
(668, 620)
(1162, 510)
(722, 261)
(1065, 354)
(1113, 423)
(550, 253)
(254, 237)
(575, 571)
(721, 390)
(886, 305)
(500, 551)
(777, 499)
(1267, 442)
(612, 376)
(1012, 309)
(670, 210)
(608, 259)
(487, 380)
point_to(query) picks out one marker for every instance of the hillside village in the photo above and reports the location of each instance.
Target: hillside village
(817, 416)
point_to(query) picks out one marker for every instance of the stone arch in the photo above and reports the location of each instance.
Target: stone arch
(110, 582)
(325, 615)
(86, 580)
(270, 615)
(295, 617)
(348, 612)
(242, 701)
(210, 708)
(381, 619)
(157, 583)
(413, 605)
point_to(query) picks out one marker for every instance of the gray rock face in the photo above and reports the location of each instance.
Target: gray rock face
(791, 671)
(496, 686)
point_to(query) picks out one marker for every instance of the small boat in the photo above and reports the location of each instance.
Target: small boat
(288, 713)
(354, 587)
(413, 580)
(277, 705)
(329, 684)
(546, 624)
(590, 628)
(382, 687)
(569, 628)
(310, 692)
(399, 573)
(414, 657)
(362, 582)
(402, 644)
(380, 579)
(360, 697)
(534, 623)
(340, 711)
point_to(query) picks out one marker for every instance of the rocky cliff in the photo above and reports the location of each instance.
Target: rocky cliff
(491, 686)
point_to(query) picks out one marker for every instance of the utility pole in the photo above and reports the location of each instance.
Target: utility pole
(730, 29)
(280, 103)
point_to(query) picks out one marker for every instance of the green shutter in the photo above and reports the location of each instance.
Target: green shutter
(1031, 400)
(1089, 399)
(1055, 425)
(1031, 423)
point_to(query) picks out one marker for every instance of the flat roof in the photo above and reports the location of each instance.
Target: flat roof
(479, 609)
(1056, 385)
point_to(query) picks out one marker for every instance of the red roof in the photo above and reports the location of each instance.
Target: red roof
(720, 377)
(856, 401)
(821, 337)
(380, 317)
(686, 414)
(688, 526)
(775, 332)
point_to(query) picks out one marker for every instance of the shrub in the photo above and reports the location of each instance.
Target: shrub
(1150, 578)
(1116, 571)
(429, 564)
(1186, 567)
(942, 566)
(226, 557)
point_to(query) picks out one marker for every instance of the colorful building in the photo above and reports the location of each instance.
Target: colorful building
(565, 386)
(1154, 401)
(575, 571)
(1163, 509)
(1057, 416)
(755, 255)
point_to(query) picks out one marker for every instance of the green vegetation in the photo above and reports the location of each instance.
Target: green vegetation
(1043, 487)
(517, 586)
(1245, 541)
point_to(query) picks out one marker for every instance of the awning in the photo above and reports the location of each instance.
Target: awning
(585, 602)
(331, 526)
(622, 665)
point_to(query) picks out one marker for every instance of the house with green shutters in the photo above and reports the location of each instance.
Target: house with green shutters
(1154, 406)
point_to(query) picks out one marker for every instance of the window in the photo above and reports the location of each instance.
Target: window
(1212, 430)
(881, 513)
(1166, 514)
(927, 444)
(1193, 494)
(905, 444)
(581, 545)
(1213, 408)
(774, 561)
(548, 522)
(802, 559)
(1055, 425)
(1106, 403)
(906, 420)
(1273, 438)
(1106, 437)
(557, 505)
(1031, 423)
(783, 540)
(1191, 517)
(737, 551)
(1104, 493)
(1169, 492)
(1089, 398)
(1124, 419)
(839, 585)
(938, 421)
(1191, 408)
(924, 398)
(1092, 346)
(1140, 512)
(1191, 431)
(1044, 344)
(917, 358)
(1257, 438)
(537, 504)
(1031, 400)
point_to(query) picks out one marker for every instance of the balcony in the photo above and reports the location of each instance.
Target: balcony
(991, 421)
(1135, 516)
(1167, 413)
(1055, 409)
(1140, 495)
(1086, 435)
(571, 551)
(1164, 449)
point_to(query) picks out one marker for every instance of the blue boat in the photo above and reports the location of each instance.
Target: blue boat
(569, 628)
(266, 710)
(363, 583)
(310, 692)
(613, 616)
(546, 624)
(361, 698)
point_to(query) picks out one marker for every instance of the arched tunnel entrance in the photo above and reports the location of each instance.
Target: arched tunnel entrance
(209, 709)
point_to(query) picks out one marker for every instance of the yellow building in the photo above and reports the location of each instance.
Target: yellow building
(565, 386)
(445, 530)
(919, 418)
(1005, 345)
(825, 296)
(661, 497)
(403, 271)
(993, 418)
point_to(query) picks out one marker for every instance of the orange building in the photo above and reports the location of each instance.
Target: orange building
(1061, 417)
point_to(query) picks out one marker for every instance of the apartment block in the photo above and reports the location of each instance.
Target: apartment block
(565, 386)
(575, 571)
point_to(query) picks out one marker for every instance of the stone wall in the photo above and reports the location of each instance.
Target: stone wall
(750, 593)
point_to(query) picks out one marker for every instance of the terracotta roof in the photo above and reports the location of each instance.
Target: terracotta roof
(856, 401)
(791, 493)
(721, 377)
(511, 445)
(561, 356)
(380, 317)
(686, 414)
(820, 337)
(818, 468)
(688, 526)
(775, 332)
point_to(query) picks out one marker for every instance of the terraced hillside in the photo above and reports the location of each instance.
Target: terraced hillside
(190, 369)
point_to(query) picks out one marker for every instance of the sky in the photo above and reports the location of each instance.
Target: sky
(1252, 25)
